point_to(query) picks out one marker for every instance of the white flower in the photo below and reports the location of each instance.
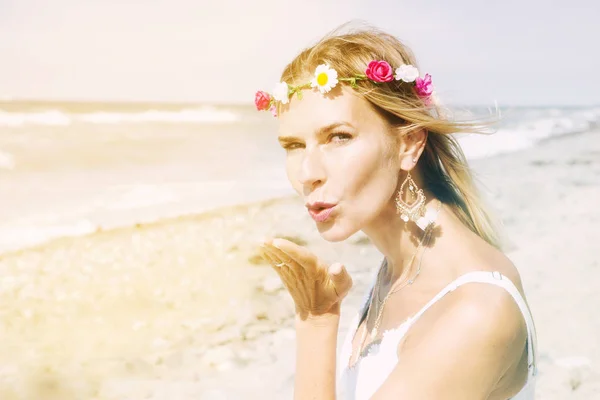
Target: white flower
(407, 73)
(280, 93)
(325, 78)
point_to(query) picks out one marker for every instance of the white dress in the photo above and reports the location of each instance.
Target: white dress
(370, 371)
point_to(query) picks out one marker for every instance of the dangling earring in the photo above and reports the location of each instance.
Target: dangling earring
(414, 209)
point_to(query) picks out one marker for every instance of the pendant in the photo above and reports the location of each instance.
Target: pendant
(373, 332)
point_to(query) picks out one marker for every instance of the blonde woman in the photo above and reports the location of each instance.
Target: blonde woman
(446, 317)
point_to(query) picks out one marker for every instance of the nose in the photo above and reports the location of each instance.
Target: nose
(312, 171)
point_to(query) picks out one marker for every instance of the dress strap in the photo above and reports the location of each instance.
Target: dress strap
(494, 278)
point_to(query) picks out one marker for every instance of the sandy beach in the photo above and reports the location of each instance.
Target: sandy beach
(184, 308)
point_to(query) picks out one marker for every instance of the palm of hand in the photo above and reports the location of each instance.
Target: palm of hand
(317, 289)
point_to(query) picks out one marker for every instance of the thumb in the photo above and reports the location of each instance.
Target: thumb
(342, 281)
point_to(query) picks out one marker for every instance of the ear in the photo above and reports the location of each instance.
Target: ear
(412, 144)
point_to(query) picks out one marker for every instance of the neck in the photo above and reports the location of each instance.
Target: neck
(399, 241)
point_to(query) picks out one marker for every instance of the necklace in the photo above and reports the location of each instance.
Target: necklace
(410, 281)
(395, 289)
(426, 237)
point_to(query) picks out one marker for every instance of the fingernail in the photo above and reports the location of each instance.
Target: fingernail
(336, 268)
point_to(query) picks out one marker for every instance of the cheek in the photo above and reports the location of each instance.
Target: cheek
(369, 185)
(366, 196)
(371, 194)
(370, 176)
(291, 170)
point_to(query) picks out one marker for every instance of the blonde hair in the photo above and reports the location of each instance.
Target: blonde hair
(443, 165)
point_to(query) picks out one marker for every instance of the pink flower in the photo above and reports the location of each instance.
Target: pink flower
(262, 100)
(379, 71)
(273, 110)
(423, 86)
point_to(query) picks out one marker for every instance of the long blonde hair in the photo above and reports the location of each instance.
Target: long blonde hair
(443, 165)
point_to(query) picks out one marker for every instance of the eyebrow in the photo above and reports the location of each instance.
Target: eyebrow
(321, 131)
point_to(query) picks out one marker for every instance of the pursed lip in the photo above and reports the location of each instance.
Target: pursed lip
(319, 205)
(320, 211)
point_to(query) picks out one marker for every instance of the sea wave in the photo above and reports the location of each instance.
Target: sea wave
(129, 204)
(528, 132)
(48, 118)
(201, 115)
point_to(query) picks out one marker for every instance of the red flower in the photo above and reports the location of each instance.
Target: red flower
(379, 71)
(262, 100)
(423, 86)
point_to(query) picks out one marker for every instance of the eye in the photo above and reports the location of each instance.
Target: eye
(292, 146)
(340, 137)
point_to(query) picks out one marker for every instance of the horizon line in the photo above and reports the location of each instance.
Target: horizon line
(138, 102)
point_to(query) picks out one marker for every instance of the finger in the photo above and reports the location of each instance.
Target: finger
(299, 254)
(265, 255)
(341, 279)
(273, 256)
(277, 265)
(275, 262)
(283, 256)
(287, 267)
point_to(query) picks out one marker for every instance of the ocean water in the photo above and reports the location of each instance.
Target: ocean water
(70, 168)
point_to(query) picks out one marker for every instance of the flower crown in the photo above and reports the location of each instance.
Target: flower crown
(326, 78)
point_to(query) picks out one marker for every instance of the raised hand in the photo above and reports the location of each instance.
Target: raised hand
(317, 289)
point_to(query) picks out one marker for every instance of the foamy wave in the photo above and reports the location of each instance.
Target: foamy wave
(527, 134)
(130, 204)
(58, 118)
(503, 141)
(200, 115)
(49, 118)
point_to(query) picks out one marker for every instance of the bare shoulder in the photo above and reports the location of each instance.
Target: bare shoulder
(473, 337)
(510, 271)
(487, 310)
(482, 311)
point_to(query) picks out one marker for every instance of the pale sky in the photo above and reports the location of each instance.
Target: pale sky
(525, 52)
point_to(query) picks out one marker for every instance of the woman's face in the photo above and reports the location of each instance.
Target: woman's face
(339, 152)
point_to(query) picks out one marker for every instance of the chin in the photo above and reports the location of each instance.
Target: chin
(335, 232)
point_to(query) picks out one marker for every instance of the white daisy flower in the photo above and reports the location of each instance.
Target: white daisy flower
(325, 79)
(280, 93)
(407, 73)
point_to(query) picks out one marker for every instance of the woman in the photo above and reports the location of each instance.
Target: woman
(367, 150)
